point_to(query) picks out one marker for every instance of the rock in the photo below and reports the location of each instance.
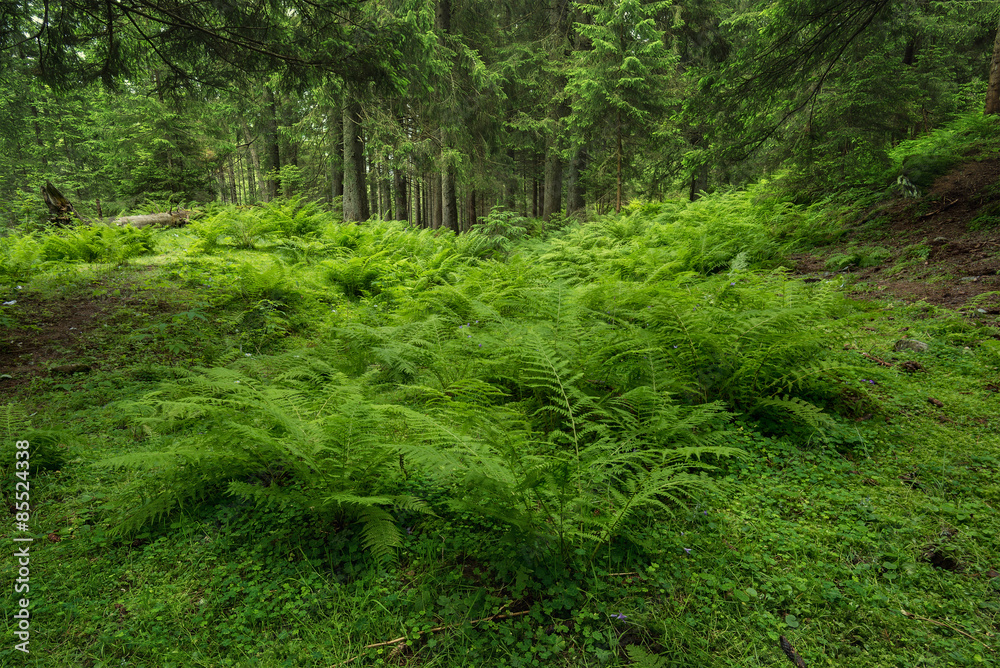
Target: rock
(911, 344)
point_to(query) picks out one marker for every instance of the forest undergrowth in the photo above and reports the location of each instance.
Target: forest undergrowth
(284, 440)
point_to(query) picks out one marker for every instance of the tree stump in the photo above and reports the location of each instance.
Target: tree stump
(60, 209)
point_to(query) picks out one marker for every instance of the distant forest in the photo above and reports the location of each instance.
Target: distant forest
(435, 112)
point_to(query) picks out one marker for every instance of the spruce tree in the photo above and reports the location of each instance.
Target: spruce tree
(621, 86)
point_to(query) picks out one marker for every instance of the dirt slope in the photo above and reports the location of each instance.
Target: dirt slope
(944, 247)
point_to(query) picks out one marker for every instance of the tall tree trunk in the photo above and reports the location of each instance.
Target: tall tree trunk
(449, 200)
(574, 185)
(385, 194)
(699, 182)
(472, 219)
(254, 177)
(337, 160)
(232, 179)
(993, 90)
(399, 194)
(355, 193)
(552, 202)
(418, 203)
(272, 151)
(510, 185)
(289, 148)
(38, 136)
(559, 26)
(372, 181)
(618, 190)
(436, 203)
(442, 16)
(534, 196)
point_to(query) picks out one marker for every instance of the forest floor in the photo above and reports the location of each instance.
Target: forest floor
(68, 327)
(942, 248)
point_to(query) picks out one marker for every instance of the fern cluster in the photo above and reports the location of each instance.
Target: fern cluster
(555, 387)
(247, 228)
(305, 437)
(98, 243)
(20, 257)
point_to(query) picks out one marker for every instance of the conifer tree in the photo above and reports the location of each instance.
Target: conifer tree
(623, 84)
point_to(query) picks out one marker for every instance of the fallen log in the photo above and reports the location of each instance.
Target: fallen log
(171, 218)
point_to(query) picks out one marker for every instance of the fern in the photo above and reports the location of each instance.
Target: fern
(640, 658)
(306, 439)
(801, 411)
(13, 421)
(598, 464)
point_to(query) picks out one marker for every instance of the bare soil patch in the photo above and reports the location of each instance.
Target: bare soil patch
(50, 332)
(955, 226)
(62, 336)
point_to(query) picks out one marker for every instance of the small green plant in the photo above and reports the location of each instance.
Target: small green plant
(859, 258)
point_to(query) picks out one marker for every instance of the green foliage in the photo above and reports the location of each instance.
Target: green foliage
(858, 258)
(48, 449)
(929, 156)
(496, 235)
(564, 449)
(20, 257)
(307, 440)
(619, 86)
(98, 243)
(642, 659)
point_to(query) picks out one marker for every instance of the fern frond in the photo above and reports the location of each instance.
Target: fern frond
(13, 421)
(800, 410)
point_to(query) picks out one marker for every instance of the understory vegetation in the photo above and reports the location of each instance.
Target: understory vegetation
(290, 440)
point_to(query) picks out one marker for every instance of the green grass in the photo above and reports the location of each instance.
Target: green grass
(824, 530)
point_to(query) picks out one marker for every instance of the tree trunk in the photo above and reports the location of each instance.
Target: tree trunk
(618, 190)
(38, 136)
(418, 203)
(449, 200)
(534, 196)
(472, 219)
(442, 16)
(699, 182)
(254, 169)
(574, 185)
(510, 182)
(60, 208)
(993, 90)
(399, 194)
(436, 204)
(272, 150)
(355, 193)
(231, 169)
(385, 194)
(337, 161)
(552, 202)
(177, 218)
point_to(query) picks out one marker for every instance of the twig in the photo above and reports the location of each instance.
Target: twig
(875, 359)
(946, 206)
(402, 639)
(947, 626)
(790, 652)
